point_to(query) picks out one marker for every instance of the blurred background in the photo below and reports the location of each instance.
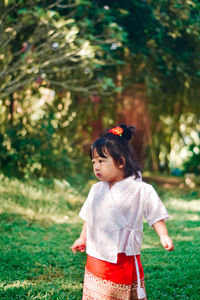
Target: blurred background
(68, 69)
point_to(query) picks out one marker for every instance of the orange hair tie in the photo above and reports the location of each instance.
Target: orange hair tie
(117, 131)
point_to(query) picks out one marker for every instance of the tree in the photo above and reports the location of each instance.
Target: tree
(162, 55)
(55, 49)
(76, 55)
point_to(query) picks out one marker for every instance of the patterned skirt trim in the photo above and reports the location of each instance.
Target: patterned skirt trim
(96, 288)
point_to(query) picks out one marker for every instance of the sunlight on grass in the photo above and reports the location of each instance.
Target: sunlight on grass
(32, 215)
(180, 237)
(146, 246)
(191, 229)
(40, 202)
(181, 204)
(186, 217)
(16, 283)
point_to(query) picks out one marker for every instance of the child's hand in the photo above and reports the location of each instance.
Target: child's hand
(167, 243)
(79, 245)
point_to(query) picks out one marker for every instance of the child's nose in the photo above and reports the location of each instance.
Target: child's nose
(96, 167)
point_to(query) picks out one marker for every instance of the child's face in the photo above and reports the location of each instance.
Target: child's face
(105, 169)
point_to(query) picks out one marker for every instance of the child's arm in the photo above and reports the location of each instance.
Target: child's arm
(80, 243)
(161, 230)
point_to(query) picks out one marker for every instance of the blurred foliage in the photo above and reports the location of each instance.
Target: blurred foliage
(192, 163)
(50, 54)
(60, 64)
(39, 45)
(162, 53)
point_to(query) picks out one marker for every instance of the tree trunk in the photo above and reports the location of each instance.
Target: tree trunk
(11, 109)
(133, 111)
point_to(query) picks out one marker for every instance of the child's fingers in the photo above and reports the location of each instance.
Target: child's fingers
(168, 245)
(169, 248)
(73, 249)
(164, 243)
(78, 248)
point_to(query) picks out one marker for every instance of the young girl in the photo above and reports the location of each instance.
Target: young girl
(113, 220)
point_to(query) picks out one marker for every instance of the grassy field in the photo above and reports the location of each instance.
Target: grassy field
(39, 222)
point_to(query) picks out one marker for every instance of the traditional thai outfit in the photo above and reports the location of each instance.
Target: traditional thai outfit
(114, 237)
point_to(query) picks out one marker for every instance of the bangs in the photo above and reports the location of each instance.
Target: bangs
(98, 149)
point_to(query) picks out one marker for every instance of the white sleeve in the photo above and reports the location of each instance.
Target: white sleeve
(84, 212)
(154, 209)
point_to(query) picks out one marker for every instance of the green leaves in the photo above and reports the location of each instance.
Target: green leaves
(92, 50)
(22, 11)
(108, 83)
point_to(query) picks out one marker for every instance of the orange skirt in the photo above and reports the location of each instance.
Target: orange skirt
(105, 281)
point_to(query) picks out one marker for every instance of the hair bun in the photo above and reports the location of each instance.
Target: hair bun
(128, 132)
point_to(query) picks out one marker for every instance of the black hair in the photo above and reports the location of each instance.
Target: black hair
(118, 147)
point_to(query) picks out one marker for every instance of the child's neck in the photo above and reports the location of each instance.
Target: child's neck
(112, 183)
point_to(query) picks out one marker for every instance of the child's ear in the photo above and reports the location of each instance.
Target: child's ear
(121, 163)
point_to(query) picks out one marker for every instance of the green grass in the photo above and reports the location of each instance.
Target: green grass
(39, 222)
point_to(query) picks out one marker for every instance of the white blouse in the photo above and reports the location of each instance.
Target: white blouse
(115, 217)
